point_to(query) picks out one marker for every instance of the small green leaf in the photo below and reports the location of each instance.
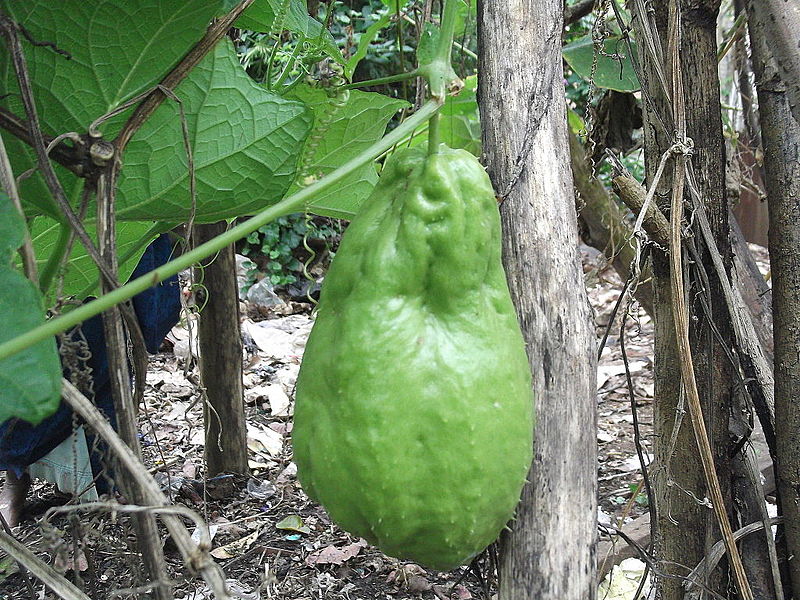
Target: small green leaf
(575, 122)
(610, 73)
(293, 523)
(30, 381)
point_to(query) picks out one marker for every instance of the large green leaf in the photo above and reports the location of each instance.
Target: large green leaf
(614, 69)
(261, 17)
(80, 274)
(352, 129)
(30, 381)
(246, 144)
(117, 49)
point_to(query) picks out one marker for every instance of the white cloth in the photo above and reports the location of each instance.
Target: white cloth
(68, 466)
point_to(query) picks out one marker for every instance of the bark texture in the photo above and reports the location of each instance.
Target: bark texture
(778, 21)
(781, 137)
(550, 553)
(685, 527)
(220, 344)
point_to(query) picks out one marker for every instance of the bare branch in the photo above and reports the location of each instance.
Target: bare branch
(577, 11)
(69, 158)
(195, 556)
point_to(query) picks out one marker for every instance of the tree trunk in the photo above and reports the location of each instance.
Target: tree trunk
(220, 344)
(780, 21)
(685, 527)
(550, 553)
(781, 138)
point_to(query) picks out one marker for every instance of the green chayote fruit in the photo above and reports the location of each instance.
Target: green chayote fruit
(413, 422)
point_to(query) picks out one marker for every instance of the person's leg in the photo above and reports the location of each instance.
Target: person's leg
(12, 497)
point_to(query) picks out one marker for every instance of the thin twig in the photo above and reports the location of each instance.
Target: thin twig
(42, 571)
(195, 556)
(680, 311)
(637, 439)
(716, 553)
(9, 185)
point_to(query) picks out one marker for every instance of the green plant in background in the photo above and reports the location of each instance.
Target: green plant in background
(276, 249)
(641, 497)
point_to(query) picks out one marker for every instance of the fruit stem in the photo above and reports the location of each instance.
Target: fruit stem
(433, 135)
(442, 79)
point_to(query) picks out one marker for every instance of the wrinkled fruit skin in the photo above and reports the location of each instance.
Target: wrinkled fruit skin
(413, 421)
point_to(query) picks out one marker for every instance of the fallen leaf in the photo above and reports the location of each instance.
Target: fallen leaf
(273, 342)
(235, 548)
(444, 592)
(331, 555)
(293, 523)
(197, 534)
(417, 584)
(288, 474)
(606, 372)
(264, 440)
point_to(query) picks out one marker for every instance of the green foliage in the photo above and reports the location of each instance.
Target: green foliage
(30, 381)
(369, 31)
(246, 145)
(380, 20)
(613, 69)
(78, 276)
(274, 247)
(341, 133)
(108, 65)
(293, 16)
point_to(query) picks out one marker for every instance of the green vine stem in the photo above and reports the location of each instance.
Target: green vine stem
(383, 80)
(276, 31)
(289, 205)
(54, 262)
(433, 135)
(290, 64)
(442, 79)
